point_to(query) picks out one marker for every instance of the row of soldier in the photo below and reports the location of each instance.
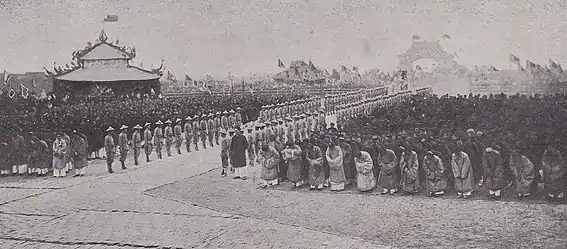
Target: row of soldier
(366, 106)
(336, 100)
(291, 108)
(205, 129)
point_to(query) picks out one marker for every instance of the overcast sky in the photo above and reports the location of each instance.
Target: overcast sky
(199, 37)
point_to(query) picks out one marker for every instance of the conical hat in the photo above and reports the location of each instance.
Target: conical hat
(137, 127)
(168, 121)
(159, 122)
(123, 127)
(110, 128)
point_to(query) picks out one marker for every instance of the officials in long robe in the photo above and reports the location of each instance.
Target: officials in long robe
(524, 172)
(109, 148)
(46, 158)
(334, 156)
(409, 167)
(270, 159)
(389, 175)
(553, 165)
(80, 153)
(136, 143)
(462, 172)
(59, 154)
(365, 180)
(18, 155)
(148, 141)
(292, 155)
(493, 171)
(435, 181)
(225, 152)
(314, 157)
(251, 138)
(238, 148)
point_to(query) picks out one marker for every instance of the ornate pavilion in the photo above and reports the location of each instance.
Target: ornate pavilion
(104, 69)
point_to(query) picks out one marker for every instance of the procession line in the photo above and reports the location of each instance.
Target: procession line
(29, 214)
(85, 243)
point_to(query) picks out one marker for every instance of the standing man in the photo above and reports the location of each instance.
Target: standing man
(59, 152)
(177, 132)
(80, 153)
(168, 132)
(148, 144)
(224, 121)
(188, 133)
(217, 127)
(137, 143)
(238, 148)
(335, 158)
(196, 130)
(158, 138)
(123, 143)
(493, 171)
(238, 117)
(251, 137)
(211, 129)
(17, 153)
(109, 148)
(203, 129)
(314, 157)
(409, 168)
(232, 119)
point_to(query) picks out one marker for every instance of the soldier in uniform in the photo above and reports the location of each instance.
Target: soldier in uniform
(238, 117)
(188, 133)
(203, 129)
(263, 113)
(281, 130)
(211, 129)
(267, 133)
(297, 129)
(137, 143)
(148, 145)
(158, 138)
(168, 132)
(322, 120)
(217, 127)
(224, 121)
(257, 144)
(123, 143)
(309, 123)
(109, 147)
(178, 134)
(232, 119)
(196, 128)
(290, 129)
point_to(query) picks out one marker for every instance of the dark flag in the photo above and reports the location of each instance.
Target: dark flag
(514, 59)
(415, 37)
(446, 36)
(111, 18)
(280, 64)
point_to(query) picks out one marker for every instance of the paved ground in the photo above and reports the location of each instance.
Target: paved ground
(182, 202)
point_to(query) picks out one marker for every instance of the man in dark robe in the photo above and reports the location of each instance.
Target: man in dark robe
(493, 171)
(79, 142)
(238, 147)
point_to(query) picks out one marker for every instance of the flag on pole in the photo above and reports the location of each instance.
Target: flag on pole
(7, 77)
(25, 92)
(111, 18)
(415, 37)
(280, 64)
(12, 93)
(555, 66)
(446, 36)
(514, 59)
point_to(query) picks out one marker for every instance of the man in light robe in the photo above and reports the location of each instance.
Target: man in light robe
(158, 138)
(59, 154)
(80, 153)
(124, 145)
(493, 171)
(334, 155)
(523, 170)
(409, 168)
(292, 155)
(553, 165)
(148, 144)
(232, 119)
(178, 134)
(136, 143)
(388, 163)
(366, 181)
(435, 181)
(68, 158)
(251, 137)
(188, 133)
(270, 159)
(314, 157)
(462, 172)
(168, 133)
(225, 151)
(196, 129)
(238, 147)
(224, 121)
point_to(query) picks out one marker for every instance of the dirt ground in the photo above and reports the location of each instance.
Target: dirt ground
(399, 221)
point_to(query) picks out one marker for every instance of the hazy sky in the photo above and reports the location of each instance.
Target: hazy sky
(214, 36)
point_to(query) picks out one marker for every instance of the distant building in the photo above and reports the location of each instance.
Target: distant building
(104, 69)
(301, 72)
(33, 84)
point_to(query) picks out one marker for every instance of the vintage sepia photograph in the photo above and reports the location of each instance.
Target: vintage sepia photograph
(283, 124)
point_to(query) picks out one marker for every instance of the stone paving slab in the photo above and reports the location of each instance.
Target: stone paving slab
(11, 195)
(10, 223)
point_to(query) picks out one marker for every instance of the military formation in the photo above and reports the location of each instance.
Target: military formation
(197, 132)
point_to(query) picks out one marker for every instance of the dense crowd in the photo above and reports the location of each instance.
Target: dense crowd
(91, 117)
